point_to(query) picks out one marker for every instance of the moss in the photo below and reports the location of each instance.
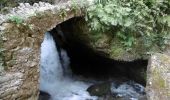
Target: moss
(158, 79)
(160, 73)
(107, 43)
(165, 59)
(112, 46)
(117, 52)
(161, 82)
(100, 41)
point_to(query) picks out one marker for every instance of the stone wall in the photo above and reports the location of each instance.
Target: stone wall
(20, 79)
(158, 77)
(20, 47)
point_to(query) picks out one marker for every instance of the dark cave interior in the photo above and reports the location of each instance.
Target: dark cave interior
(90, 63)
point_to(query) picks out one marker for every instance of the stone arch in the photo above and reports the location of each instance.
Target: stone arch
(20, 44)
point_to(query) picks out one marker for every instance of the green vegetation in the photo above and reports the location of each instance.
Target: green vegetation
(63, 14)
(74, 6)
(16, 19)
(158, 79)
(129, 20)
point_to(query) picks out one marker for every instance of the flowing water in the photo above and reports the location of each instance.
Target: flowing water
(57, 80)
(52, 78)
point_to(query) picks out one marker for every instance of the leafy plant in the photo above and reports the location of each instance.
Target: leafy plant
(74, 6)
(63, 13)
(130, 19)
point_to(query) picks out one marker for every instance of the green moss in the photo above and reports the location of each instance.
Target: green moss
(109, 43)
(165, 59)
(160, 82)
(117, 52)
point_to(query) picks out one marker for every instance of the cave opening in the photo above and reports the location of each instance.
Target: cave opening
(88, 63)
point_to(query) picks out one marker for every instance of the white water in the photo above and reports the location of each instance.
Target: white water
(52, 78)
(56, 77)
(129, 89)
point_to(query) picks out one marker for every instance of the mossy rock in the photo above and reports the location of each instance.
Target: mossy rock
(158, 77)
(110, 45)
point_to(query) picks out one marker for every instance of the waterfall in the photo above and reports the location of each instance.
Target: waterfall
(56, 77)
(52, 70)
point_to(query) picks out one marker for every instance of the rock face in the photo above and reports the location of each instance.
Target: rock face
(158, 77)
(20, 41)
(108, 44)
(21, 51)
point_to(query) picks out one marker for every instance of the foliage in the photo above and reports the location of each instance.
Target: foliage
(16, 19)
(63, 14)
(130, 19)
(74, 6)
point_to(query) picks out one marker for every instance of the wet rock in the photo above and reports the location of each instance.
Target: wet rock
(158, 77)
(100, 89)
(128, 90)
(44, 96)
